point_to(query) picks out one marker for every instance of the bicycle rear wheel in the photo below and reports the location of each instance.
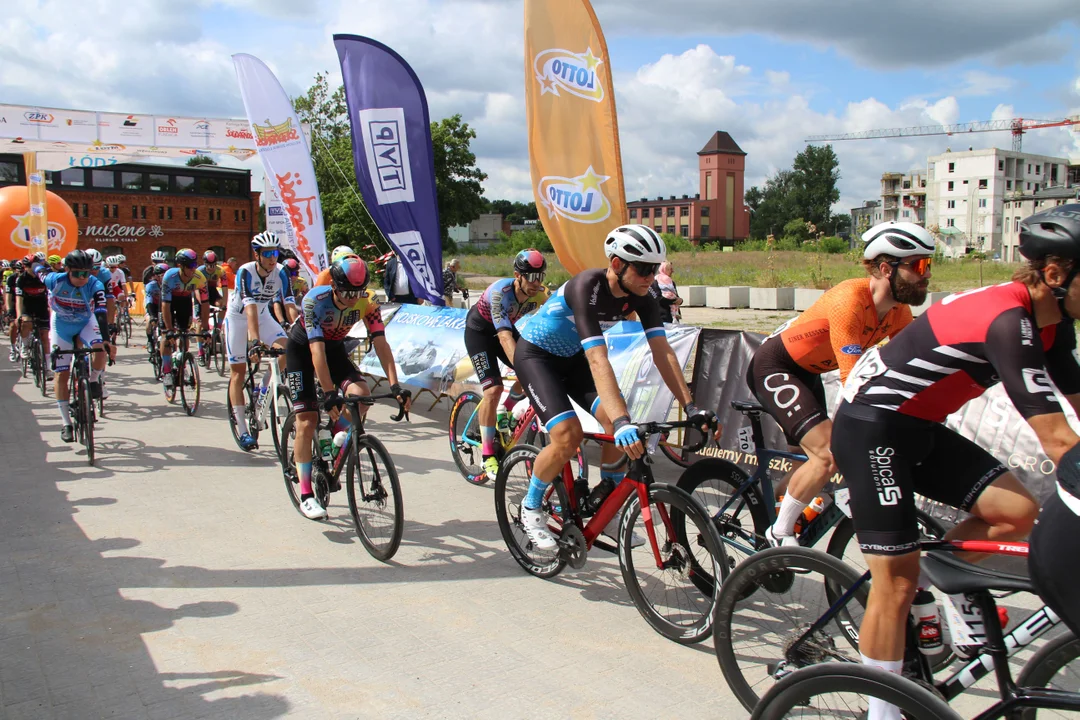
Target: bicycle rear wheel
(42, 369)
(511, 486)
(465, 437)
(280, 407)
(190, 386)
(218, 346)
(125, 327)
(288, 460)
(86, 418)
(375, 497)
(662, 586)
(771, 600)
(841, 690)
(1055, 665)
(248, 415)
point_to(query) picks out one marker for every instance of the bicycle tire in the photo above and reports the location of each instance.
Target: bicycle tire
(24, 361)
(772, 573)
(694, 609)
(87, 419)
(373, 498)
(126, 327)
(671, 454)
(711, 482)
(189, 372)
(43, 370)
(467, 457)
(218, 345)
(797, 690)
(277, 417)
(542, 564)
(253, 431)
(288, 464)
(1048, 661)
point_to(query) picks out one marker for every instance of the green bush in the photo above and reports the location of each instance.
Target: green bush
(677, 243)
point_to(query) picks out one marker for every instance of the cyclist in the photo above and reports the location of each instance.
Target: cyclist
(152, 294)
(156, 258)
(104, 276)
(248, 321)
(299, 284)
(562, 356)
(889, 440)
(9, 295)
(56, 263)
(32, 303)
(215, 273)
(338, 253)
(121, 263)
(179, 287)
(316, 353)
(77, 300)
(785, 372)
(490, 336)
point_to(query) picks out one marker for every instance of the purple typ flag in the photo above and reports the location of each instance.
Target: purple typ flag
(395, 166)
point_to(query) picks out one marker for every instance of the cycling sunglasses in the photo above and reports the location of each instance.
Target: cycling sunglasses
(269, 253)
(351, 294)
(79, 273)
(644, 269)
(920, 266)
(533, 276)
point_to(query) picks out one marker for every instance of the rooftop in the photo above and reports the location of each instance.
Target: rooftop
(721, 144)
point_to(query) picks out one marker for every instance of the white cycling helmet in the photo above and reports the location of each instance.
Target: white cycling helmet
(158, 256)
(635, 243)
(95, 256)
(265, 240)
(121, 259)
(899, 239)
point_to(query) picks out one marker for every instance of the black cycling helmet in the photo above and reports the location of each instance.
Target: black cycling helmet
(1052, 232)
(529, 261)
(78, 260)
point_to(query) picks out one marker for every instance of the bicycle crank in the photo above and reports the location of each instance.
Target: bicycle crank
(572, 546)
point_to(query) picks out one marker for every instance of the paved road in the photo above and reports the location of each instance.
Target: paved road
(175, 580)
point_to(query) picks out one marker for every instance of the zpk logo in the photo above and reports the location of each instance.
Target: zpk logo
(578, 199)
(575, 73)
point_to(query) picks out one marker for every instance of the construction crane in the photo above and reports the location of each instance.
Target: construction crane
(1017, 126)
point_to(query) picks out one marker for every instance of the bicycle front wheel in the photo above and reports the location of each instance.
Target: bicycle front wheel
(465, 437)
(768, 603)
(511, 486)
(375, 497)
(288, 460)
(190, 386)
(252, 429)
(842, 690)
(43, 369)
(86, 419)
(126, 328)
(280, 407)
(1055, 665)
(218, 347)
(661, 580)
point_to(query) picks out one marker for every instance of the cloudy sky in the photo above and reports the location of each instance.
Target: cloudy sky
(769, 72)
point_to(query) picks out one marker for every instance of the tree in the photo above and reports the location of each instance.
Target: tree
(457, 179)
(817, 171)
(200, 160)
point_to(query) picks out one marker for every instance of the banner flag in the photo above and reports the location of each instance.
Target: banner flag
(285, 157)
(573, 131)
(395, 164)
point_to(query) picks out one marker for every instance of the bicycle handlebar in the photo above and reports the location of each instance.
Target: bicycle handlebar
(647, 429)
(268, 350)
(369, 400)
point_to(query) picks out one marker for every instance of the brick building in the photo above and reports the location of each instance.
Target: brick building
(717, 212)
(138, 208)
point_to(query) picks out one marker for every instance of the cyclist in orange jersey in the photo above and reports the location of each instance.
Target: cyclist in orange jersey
(785, 372)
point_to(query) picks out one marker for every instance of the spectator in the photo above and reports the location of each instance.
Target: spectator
(450, 282)
(231, 266)
(665, 290)
(396, 283)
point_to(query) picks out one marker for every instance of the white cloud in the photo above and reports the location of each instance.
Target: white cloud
(978, 83)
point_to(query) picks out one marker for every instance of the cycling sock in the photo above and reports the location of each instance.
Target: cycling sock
(303, 471)
(614, 476)
(535, 497)
(487, 440)
(241, 421)
(166, 363)
(790, 510)
(95, 375)
(509, 403)
(65, 410)
(879, 709)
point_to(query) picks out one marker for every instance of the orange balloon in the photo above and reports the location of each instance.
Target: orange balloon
(15, 238)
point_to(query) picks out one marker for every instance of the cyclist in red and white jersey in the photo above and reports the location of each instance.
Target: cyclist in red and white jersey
(889, 442)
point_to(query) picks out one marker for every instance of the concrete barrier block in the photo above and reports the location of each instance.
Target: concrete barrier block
(772, 298)
(805, 297)
(931, 298)
(694, 295)
(727, 297)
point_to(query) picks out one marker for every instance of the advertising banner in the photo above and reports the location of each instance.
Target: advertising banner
(395, 167)
(286, 158)
(574, 150)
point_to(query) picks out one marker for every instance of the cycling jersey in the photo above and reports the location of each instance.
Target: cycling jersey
(251, 289)
(174, 287)
(833, 333)
(9, 285)
(127, 273)
(498, 307)
(213, 277)
(35, 297)
(72, 306)
(117, 282)
(299, 286)
(323, 320)
(963, 345)
(152, 292)
(575, 318)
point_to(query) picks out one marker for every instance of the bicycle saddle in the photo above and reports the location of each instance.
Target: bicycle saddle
(745, 406)
(953, 576)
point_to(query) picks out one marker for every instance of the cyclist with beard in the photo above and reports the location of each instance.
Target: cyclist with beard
(785, 372)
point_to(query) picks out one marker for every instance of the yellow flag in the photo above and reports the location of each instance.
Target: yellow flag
(573, 133)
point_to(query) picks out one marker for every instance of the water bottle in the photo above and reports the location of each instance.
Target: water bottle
(812, 510)
(924, 614)
(340, 439)
(581, 492)
(599, 494)
(502, 419)
(326, 444)
(519, 410)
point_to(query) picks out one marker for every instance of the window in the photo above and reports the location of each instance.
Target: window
(633, 214)
(1038, 169)
(982, 202)
(1001, 165)
(230, 187)
(105, 213)
(116, 212)
(132, 181)
(907, 184)
(670, 229)
(1029, 168)
(75, 209)
(168, 212)
(111, 250)
(1016, 224)
(208, 186)
(85, 210)
(194, 213)
(9, 172)
(142, 212)
(951, 185)
(685, 232)
(73, 177)
(671, 212)
(134, 212)
(185, 183)
(907, 213)
(952, 204)
(243, 215)
(159, 183)
(161, 212)
(951, 222)
(236, 214)
(952, 167)
(1036, 187)
(982, 183)
(684, 212)
(1008, 184)
(704, 212)
(187, 213)
(103, 179)
(1029, 186)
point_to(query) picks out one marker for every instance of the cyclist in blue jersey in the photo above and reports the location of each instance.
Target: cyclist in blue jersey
(152, 296)
(180, 287)
(77, 302)
(104, 277)
(490, 336)
(562, 356)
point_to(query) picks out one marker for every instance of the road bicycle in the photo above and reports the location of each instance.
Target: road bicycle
(465, 442)
(743, 506)
(659, 573)
(372, 485)
(755, 647)
(123, 320)
(266, 403)
(153, 347)
(214, 351)
(81, 400)
(33, 355)
(185, 372)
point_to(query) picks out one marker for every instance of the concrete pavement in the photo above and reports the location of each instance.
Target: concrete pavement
(175, 580)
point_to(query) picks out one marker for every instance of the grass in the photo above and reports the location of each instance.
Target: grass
(759, 269)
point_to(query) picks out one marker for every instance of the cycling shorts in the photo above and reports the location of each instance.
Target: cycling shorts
(62, 335)
(181, 315)
(235, 329)
(153, 310)
(212, 295)
(886, 457)
(1055, 545)
(36, 309)
(794, 396)
(486, 351)
(300, 372)
(553, 380)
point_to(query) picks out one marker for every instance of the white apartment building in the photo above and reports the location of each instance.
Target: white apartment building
(966, 193)
(1018, 207)
(903, 197)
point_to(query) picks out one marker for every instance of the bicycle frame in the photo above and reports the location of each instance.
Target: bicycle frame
(519, 430)
(262, 409)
